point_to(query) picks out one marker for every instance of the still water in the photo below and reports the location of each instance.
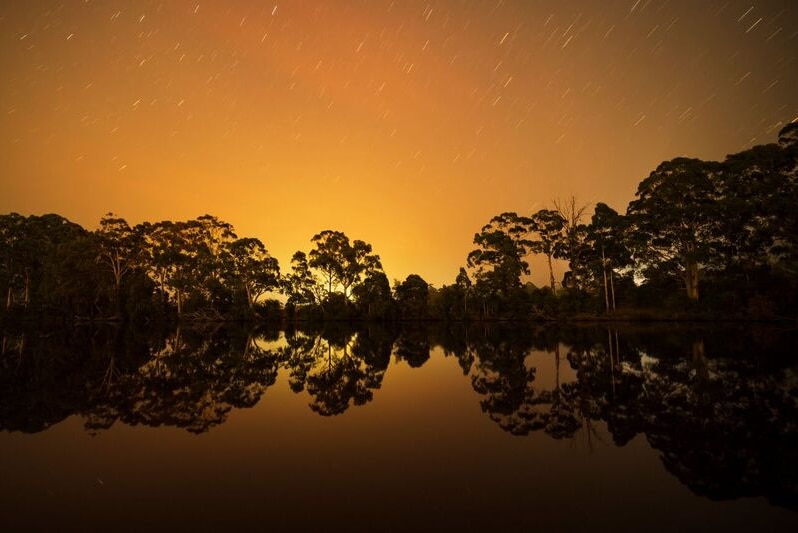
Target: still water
(366, 428)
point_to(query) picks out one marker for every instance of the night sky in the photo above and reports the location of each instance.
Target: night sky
(404, 124)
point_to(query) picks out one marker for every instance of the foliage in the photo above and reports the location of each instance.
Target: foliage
(730, 228)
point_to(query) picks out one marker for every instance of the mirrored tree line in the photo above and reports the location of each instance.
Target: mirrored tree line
(710, 237)
(720, 406)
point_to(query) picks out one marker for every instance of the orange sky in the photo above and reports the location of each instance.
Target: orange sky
(405, 124)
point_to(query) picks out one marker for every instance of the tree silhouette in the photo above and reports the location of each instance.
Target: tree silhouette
(118, 251)
(411, 297)
(253, 268)
(499, 259)
(674, 222)
(549, 225)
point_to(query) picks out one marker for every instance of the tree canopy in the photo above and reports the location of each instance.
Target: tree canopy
(725, 231)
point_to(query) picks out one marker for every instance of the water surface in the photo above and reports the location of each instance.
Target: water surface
(438, 427)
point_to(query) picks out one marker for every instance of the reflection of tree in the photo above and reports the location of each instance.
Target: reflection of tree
(501, 377)
(726, 427)
(454, 338)
(185, 379)
(498, 360)
(192, 382)
(46, 377)
(413, 346)
(338, 367)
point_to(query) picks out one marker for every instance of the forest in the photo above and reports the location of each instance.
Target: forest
(700, 240)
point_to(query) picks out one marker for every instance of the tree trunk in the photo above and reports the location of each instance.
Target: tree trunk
(9, 297)
(557, 366)
(612, 361)
(250, 301)
(114, 261)
(604, 275)
(27, 287)
(700, 360)
(612, 290)
(117, 292)
(691, 280)
(162, 284)
(551, 273)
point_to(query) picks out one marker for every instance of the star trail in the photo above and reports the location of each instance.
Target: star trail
(406, 124)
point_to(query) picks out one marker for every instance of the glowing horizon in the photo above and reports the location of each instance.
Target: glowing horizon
(406, 125)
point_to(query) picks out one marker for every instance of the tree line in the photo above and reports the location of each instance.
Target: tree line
(699, 237)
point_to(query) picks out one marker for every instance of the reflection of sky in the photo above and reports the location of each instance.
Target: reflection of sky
(405, 124)
(421, 454)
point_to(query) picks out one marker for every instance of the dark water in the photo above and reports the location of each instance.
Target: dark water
(488, 428)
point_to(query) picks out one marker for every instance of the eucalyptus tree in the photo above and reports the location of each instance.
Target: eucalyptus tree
(760, 189)
(573, 246)
(301, 285)
(749, 204)
(118, 251)
(411, 297)
(359, 262)
(341, 263)
(212, 238)
(608, 250)
(674, 221)
(28, 246)
(169, 258)
(207, 240)
(12, 243)
(72, 284)
(332, 248)
(194, 260)
(332, 271)
(373, 296)
(253, 268)
(499, 259)
(463, 284)
(548, 225)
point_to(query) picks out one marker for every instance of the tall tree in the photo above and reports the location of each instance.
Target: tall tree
(549, 225)
(300, 285)
(463, 284)
(373, 296)
(253, 268)
(606, 238)
(329, 256)
(573, 245)
(502, 245)
(411, 297)
(12, 236)
(674, 220)
(341, 263)
(170, 259)
(359, 262)
(118, 251)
